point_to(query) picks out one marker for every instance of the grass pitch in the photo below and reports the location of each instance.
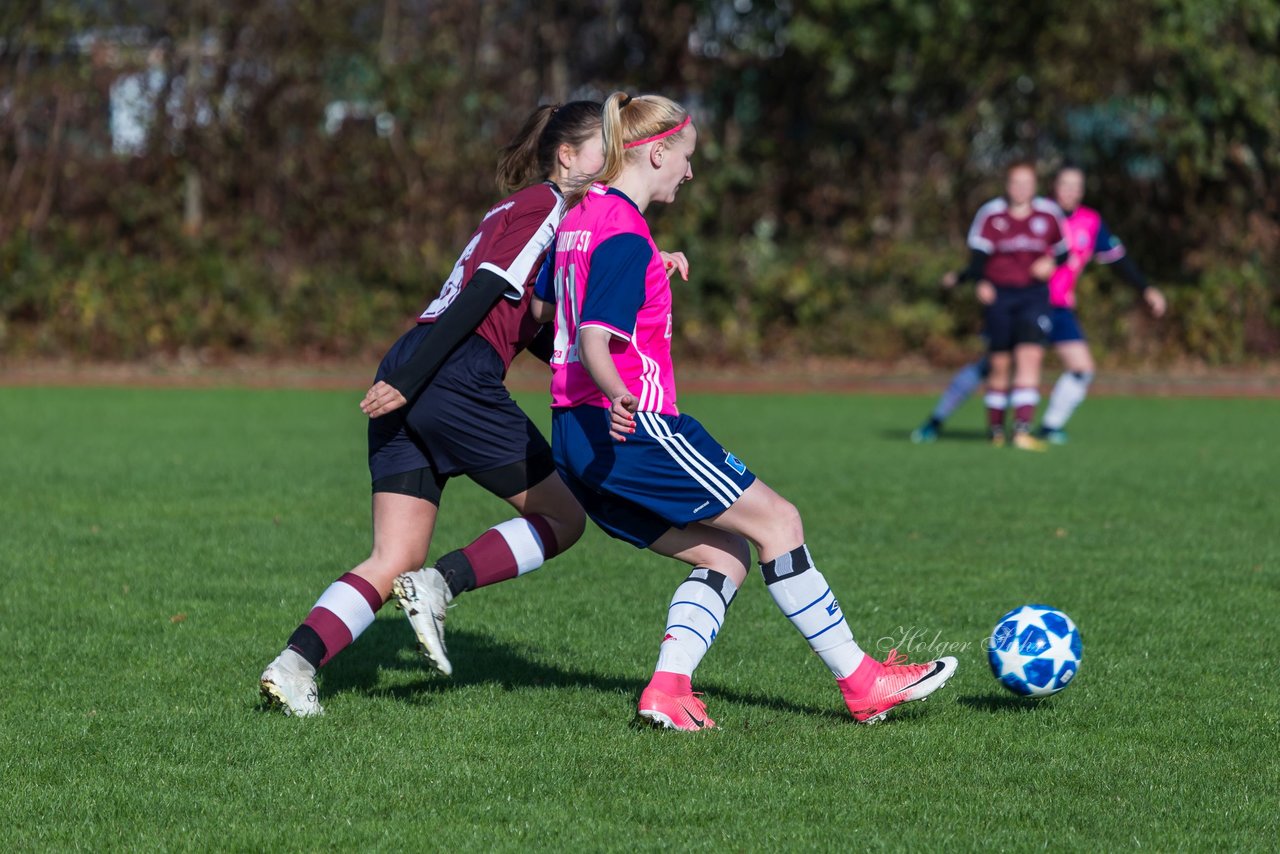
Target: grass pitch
(158, 547)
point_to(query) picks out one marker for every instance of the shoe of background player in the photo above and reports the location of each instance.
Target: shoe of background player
(685, 712)
(289, 684)
(1024, 441)
(925, 433)
(423, 595)
(891, 683)
(996, 437)
(1053, 437)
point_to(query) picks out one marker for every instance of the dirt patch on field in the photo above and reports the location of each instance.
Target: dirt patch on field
(796, 377)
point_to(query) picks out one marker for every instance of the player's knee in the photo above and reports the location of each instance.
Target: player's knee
(571, 523)
(786, 521)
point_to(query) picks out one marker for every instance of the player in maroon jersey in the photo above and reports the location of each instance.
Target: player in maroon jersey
(439, 408)
(1016, 242)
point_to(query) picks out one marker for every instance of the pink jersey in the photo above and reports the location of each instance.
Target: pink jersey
(599, 281)
(1087, 238)
(1014, 244)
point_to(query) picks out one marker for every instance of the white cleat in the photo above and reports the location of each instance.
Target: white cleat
(289, 684)
(423, 595)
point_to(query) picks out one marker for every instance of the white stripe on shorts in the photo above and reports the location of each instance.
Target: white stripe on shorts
(698, 467)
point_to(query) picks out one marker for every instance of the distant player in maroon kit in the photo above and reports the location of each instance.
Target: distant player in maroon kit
(439, 408)
(1015, 242)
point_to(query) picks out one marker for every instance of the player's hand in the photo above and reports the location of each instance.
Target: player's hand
(1042, 268)
(986, 292)
(1155, 301)
(381, 399)
(622, 422)
(675, 262)
(949, 279)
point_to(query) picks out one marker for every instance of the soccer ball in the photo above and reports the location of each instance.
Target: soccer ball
(1035, 650)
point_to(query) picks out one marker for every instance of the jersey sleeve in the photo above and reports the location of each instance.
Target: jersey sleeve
(981, 236)
(615, 285)
(1107, 247)
(524, 234)
(545, 288)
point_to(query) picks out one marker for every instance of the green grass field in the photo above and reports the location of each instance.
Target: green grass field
(159, 546)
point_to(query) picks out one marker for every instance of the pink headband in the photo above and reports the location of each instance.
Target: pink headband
(657, 136)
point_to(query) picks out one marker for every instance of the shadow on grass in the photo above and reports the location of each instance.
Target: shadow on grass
(479, 659)
(948, 435)
(1000, 704)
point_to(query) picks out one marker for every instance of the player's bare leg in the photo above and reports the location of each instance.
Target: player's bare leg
(870, 688)
(402, 527)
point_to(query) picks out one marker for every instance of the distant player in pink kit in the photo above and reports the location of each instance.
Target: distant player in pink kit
(652, 476)
(1015, 244)
(1089, 239)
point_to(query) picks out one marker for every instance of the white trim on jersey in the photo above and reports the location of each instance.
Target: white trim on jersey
(990, 209)
(612, 330)
(705, 472)
(522, 265)
(651, 394)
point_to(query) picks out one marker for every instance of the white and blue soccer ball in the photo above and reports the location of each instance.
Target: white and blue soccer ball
(1035, 651)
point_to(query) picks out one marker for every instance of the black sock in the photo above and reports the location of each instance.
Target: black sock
(306, 642)
(457, 572)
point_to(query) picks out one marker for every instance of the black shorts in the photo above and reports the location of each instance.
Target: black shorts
(464, 422)
(1020, 315)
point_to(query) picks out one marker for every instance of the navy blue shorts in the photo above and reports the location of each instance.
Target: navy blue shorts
(463, 422)
(668, 473)
(1066, 326)
(1018, 316)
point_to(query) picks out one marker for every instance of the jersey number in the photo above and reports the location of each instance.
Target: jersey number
(566, 312)
(452, 285)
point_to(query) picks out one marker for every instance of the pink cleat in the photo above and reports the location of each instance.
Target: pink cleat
(875, 688)
(670, 703)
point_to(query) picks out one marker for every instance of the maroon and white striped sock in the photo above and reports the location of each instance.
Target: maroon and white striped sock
(1024, 400)
(341, 613)
(505, 551)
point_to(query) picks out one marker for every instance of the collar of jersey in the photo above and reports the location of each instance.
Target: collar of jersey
(614, 191)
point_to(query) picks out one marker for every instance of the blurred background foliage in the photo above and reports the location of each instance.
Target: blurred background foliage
(294, 178)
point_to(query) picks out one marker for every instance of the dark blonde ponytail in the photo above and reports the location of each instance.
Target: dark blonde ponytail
(531, 156)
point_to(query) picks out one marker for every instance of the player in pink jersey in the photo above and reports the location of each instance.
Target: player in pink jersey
(653, 476)
(439, 408)
(1089, 239)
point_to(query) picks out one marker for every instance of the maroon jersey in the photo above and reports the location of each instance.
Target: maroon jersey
(511, 242)
(1015, 244)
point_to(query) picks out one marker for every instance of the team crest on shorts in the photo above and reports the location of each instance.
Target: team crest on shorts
(734, 463)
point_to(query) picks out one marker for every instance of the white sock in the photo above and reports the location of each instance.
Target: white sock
(1068, 393)
(804, 596)
(693, 620)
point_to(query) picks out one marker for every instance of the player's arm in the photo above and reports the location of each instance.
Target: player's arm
(521, 240)
(542, 305)
(1110, 251)
(973, 271)
(449, 330)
